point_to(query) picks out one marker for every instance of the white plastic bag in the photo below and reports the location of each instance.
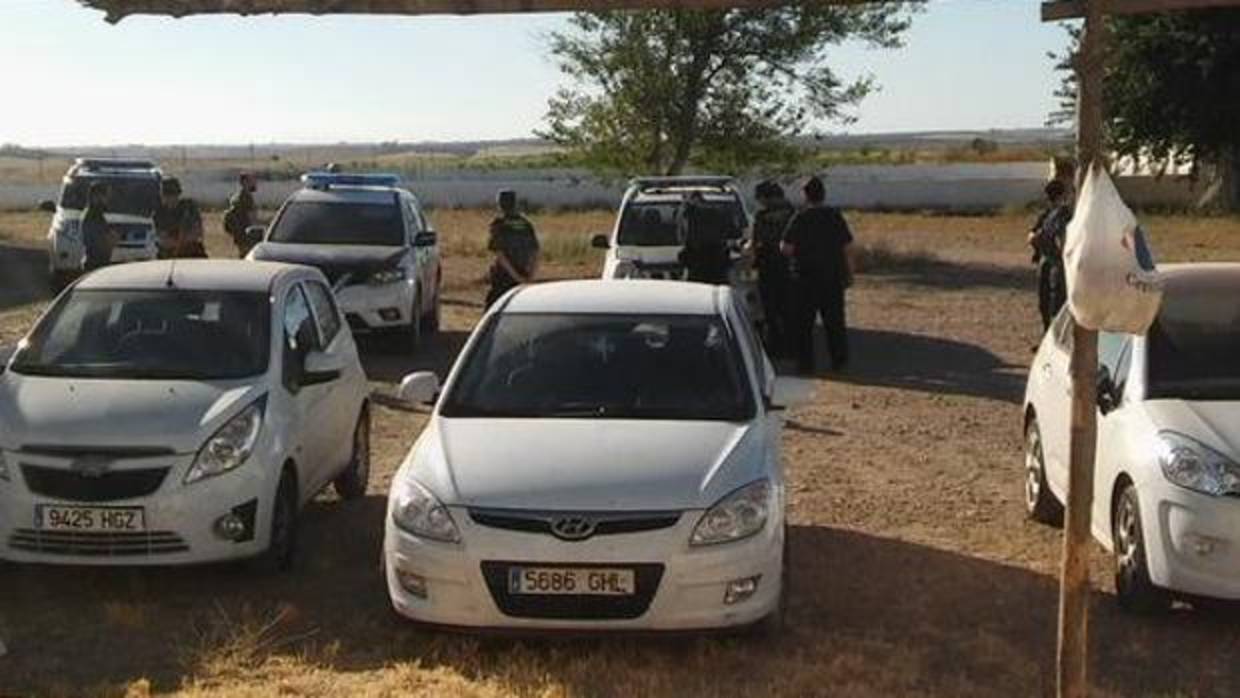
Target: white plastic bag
(1112, 283)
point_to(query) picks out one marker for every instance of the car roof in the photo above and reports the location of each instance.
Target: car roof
(348, 195)
(192, 274)
(621, 296)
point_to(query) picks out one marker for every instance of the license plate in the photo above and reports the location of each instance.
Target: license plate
(570, 581)
(54, 517)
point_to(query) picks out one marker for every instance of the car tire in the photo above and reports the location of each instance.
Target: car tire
(1040, 502)
(352, 483)
(282, 541)
(1136, 591)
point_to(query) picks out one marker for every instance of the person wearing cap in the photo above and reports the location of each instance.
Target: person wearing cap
(1046, 237)
(817, 244)
(242, 213)
(97, 238)
(770, 221)
(178, 224)
(515, 244)
(705, 253)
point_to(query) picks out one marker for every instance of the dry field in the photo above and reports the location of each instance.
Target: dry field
(913, 569)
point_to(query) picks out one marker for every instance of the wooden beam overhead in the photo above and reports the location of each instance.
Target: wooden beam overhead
(116, 10)
(1075, 9)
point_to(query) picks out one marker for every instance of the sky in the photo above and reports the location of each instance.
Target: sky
(70, 78)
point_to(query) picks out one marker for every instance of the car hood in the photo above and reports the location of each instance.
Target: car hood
(71, 412)
(334, 260)
(1214, 423)
(586, 465)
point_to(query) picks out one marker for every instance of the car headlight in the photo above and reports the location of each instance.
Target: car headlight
(230, 446)
(4, 468)
(419, 512)
(740, 514)
(387, 276)
(1191, 464)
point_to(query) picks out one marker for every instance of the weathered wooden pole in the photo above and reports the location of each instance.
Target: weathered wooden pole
(1074, 580)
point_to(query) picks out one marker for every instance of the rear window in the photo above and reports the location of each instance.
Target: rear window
(132, 196)
(658, 223)
(340, 223)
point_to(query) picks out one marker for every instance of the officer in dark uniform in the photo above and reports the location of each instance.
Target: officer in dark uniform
(817, 244)
(98, 238)
(515, 244)
(242, 213)
(705, 254)
(769, 225)
(1046, 237)
(178, 224)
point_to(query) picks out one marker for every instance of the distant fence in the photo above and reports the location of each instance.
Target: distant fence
(961, 187)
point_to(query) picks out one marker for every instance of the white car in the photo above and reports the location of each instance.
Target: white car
(1167, 481)
(134, 195)
(179, 412)
(373, 241)
(604, 456)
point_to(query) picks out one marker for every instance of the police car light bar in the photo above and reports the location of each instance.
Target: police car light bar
(326, 180)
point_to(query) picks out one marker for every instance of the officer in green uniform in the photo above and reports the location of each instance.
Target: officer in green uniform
(515, 244)
(242, 213)
(773, 277)
(178, 223)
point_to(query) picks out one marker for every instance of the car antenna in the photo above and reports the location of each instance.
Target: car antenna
(172, 268)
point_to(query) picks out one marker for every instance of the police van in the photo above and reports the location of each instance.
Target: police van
(370, 237)
(133, 197)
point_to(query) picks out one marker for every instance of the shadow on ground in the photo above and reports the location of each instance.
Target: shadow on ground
(387, 363)
(885, 615)
(23, 276)
(943, 274)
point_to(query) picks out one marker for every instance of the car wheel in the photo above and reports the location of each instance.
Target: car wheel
(282, 544)
(1137, 592)
(352, 483)
(1040, 502)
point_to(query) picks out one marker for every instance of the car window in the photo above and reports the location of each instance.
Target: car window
(339, 223)
(300, 336)
(415, 215)
(325, 312)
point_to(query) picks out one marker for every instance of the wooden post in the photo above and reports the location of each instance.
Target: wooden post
(1074, 581)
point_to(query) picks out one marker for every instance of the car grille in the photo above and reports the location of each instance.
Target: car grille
(604, 523)
(573, 607)
(96, 544)
(109, 486)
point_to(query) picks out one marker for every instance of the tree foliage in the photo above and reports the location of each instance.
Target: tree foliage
(657, 91)
(1172, 92)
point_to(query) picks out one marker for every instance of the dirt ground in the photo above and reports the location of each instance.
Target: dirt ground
(914, 571)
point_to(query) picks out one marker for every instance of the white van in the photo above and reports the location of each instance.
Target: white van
(134, 186)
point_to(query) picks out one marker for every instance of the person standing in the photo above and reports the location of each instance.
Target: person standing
(705, 254)
(178, 224)
(242, 213)
(1046, 237)
(97, 238)
(817, 243)
(769, 225)
(515, 244)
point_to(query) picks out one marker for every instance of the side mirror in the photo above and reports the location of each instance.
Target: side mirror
(599, 242)
(426, 238)
(1107, 399)
(321, 367)
(47, 206)
(418, 388)
(254, 234)
(790, 391)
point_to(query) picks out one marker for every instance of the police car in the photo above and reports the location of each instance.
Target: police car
(647, 238)
(133, 196)
(369, 236)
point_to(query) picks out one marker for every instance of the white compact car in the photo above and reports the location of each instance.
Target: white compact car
(373, 241)
(604, 456)
(134, 195)
(1167, 482)
(179, 412)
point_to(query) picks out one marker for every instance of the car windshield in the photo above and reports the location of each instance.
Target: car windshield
(603, 367)
(135, 196)
(340, 223)
(657, 223)
(1194, 345)
(164, 334)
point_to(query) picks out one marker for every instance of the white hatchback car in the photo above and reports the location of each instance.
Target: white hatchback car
(1167, 482)
(605, 455)
(179, 412)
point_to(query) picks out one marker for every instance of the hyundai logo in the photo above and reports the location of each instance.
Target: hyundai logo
(572, 528)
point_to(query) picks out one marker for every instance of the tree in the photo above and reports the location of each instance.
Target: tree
(1172, 94)
(658, 90)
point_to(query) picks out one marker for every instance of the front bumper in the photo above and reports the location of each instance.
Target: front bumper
(179, 519)
(1192, 540)
(376, 307)
(685, 586)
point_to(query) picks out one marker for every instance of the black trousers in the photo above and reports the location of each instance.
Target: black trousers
(500, 284)
(1052, 291)
(778, 318)
(817, 298)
